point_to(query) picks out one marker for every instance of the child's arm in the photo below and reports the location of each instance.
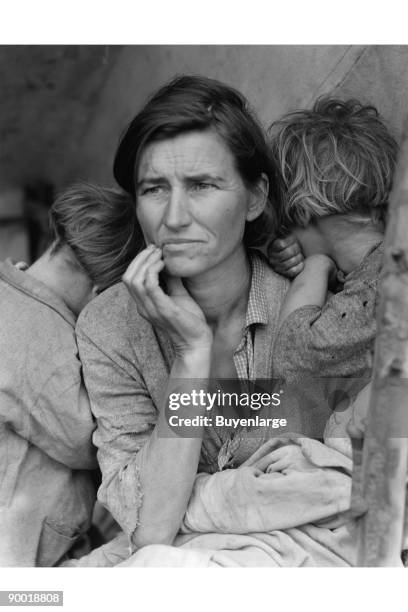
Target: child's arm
(309, 288)
(332, 339)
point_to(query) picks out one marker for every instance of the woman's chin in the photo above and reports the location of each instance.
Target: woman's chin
(181, 267)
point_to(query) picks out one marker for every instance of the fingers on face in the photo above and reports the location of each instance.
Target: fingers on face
(142, 280)
(154, 294)
(139, 262)
(151, 282)
(135, 275)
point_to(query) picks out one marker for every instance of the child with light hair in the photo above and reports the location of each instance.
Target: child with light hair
(337, 163)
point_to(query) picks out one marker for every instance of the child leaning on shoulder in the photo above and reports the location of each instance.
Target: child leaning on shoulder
(337, 163)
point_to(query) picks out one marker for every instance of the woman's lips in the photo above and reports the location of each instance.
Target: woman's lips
(177, 245)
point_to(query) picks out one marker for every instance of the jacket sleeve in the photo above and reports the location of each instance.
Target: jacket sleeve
(332, 341)
(125, 416)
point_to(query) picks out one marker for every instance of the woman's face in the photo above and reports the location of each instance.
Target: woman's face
(192, 202)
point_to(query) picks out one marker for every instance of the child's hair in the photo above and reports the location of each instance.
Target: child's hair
(337, 158)
(100, 227)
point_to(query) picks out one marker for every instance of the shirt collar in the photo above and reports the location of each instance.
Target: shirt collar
(35, 289)
(257, 311)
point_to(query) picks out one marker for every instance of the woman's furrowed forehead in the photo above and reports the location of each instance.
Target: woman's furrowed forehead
(190, 153)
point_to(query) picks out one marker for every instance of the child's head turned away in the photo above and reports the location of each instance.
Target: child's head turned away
(336, 159)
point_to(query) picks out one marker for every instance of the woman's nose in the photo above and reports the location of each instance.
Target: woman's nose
(177, 210)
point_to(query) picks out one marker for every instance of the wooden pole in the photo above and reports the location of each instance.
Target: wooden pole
(380, 486)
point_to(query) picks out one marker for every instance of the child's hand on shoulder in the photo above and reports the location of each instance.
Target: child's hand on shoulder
(285, 256)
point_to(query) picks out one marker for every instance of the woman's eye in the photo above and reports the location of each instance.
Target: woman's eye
(156, 189)
(203, 186)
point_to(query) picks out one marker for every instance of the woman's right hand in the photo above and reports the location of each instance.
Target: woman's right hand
(176, 312)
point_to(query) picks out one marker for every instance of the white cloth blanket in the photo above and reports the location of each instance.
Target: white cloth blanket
(284, 507)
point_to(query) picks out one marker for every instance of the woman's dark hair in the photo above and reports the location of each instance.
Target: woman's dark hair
(191, 103)
(100, 227)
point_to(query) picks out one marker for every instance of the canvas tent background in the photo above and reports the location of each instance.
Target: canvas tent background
(63, 107)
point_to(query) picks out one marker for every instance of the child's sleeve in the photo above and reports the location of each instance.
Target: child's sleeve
(332, 341)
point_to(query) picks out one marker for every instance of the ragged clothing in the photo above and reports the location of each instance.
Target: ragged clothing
(335, 340)
(46, 451)
(286, 506)
(291, 514)
(126, 365)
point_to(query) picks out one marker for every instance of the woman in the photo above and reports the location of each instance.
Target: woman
(197, 165)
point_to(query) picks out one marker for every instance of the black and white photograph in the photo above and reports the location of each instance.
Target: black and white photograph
(203, 307)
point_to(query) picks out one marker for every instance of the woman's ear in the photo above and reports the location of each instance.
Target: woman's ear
(258, 198)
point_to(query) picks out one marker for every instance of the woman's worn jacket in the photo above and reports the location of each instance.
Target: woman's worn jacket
(126, 365)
